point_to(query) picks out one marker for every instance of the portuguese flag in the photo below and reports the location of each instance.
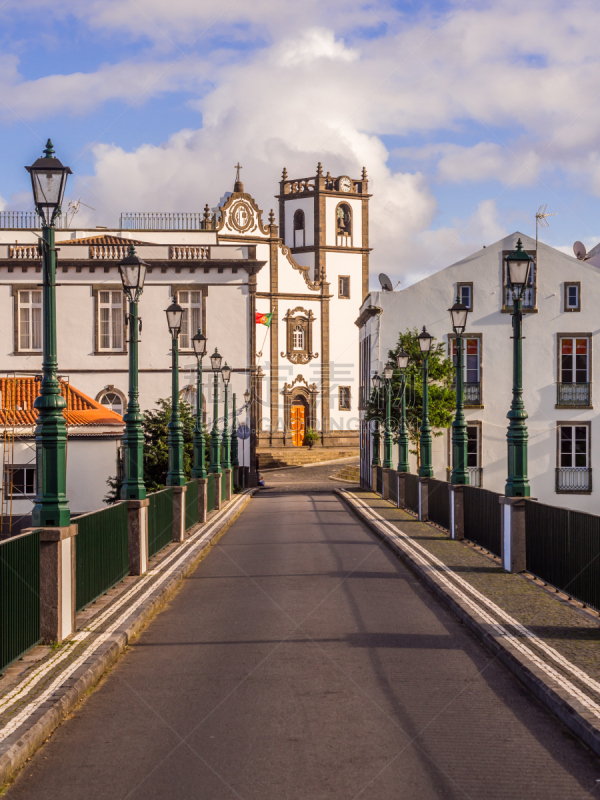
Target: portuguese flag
(263, 319)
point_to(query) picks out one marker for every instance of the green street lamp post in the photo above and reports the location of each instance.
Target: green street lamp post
(225, 439)
(175, 475)
(51, 509)
(199, 469)
(388, 439)
(425, 441)
(215, 448)
(133, 274)
(235, 462)
(518, 266)
(460, 476)
(376, 461)
(403, 466)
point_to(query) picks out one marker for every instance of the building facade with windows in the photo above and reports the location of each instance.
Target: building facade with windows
(560, 329)
(225, 266)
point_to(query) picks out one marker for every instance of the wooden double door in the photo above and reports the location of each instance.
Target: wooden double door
(298, 423)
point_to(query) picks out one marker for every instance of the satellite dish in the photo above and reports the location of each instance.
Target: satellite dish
(579, 250)
(385, 282)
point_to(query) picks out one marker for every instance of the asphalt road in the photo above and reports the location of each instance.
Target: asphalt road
(302, 661)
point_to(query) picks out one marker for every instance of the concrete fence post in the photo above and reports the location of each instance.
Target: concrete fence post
(457, 512)
(137, 532)
(179, 513)
(202, 499)
(374, 479)
(218, 502)
(402, 490)
(385, 483)
(57, 582)
(423, 500)
(513, 542)
(228, 487)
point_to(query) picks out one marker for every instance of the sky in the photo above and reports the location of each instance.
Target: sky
(467, 116)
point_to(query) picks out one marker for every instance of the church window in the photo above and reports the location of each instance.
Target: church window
(298, 342)
(343, 225)
(344, 398)
(299, 228)
(344, 286)
(191, 302)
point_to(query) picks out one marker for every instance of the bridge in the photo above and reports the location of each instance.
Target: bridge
(310, 640)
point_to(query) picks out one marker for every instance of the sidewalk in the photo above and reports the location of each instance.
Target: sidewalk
(549, 642)
(40, 690)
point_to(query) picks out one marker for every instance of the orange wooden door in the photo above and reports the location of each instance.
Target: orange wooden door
(298, 425)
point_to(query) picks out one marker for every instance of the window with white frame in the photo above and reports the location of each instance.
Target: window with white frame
(465, 295)
(30, 319)
(472, 445)
(574, 359)
(572, 300)
(344, 398)
(298, 337)
(574, 446)
(529, 293)
(191, 302)
(19, 480)
(471, 369)
(110, 319)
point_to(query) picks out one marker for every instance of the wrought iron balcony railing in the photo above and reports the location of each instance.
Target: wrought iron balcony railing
(473, 394)
(163, 221)
(573, 394)
(27, 220)
(573, 479)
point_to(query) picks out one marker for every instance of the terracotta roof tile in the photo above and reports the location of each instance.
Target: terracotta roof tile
(104, 239)
(18, 395)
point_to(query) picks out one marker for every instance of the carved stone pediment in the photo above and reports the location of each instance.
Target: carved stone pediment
(299, 323)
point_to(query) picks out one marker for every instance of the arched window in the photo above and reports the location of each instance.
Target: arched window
(113, 400)
(343, 225)
(298, 338)
(299, 228)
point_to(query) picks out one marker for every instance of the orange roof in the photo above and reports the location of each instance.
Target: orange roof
(18, 396)
(104, 239)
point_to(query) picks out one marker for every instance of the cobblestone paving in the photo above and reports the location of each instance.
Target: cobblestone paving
(575, 633)
(317, 478)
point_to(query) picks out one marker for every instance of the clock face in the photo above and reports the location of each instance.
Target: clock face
(345, 184)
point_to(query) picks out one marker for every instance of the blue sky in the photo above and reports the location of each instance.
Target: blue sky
(468, 116)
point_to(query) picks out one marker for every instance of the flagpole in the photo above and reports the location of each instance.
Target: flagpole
(259, 355)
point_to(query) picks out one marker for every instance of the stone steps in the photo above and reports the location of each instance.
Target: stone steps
(297, 457)
(350, 474)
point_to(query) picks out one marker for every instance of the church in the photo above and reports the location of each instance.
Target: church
(278, 301)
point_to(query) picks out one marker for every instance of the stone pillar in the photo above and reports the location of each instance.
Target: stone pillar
(179, 513)
(373, 479)
(513, 550)
(235, 476)
(218, 479)
(202, 499)
(388, 475)
(137, 529)
(457, 512)
(402, 490)
(423, 500)
(57, 582)
(228, 489)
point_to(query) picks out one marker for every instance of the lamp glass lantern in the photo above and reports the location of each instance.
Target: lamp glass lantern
(133, 274)
(376, 379)
(458, 317)
(388, 372)
(226, 373)
(518, 264)
(425, 340)
(48, 181)
(402, 360)
(246, 396)
(216, 360)
(174, 317)
(199, 343)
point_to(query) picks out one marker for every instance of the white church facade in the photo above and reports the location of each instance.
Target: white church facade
(224, 266)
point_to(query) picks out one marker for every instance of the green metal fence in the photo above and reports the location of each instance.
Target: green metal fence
(101, 552)
(482, 512)
(191, 504)
(19, 596)
(224, 480)
(210, 493)
(160, 520)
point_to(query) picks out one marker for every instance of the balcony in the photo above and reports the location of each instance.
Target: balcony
(573, 479)
(574, 394)
(473, 394)
(168, 221)
(27, 220)
(475, 476)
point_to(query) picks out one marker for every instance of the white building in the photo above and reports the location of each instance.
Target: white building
(561, 332)
(224, 267)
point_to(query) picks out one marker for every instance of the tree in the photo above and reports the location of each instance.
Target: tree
(156, 451)
(442, 398)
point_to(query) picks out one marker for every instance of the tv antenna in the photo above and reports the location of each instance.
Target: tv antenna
(386, 284)
(73, 208)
